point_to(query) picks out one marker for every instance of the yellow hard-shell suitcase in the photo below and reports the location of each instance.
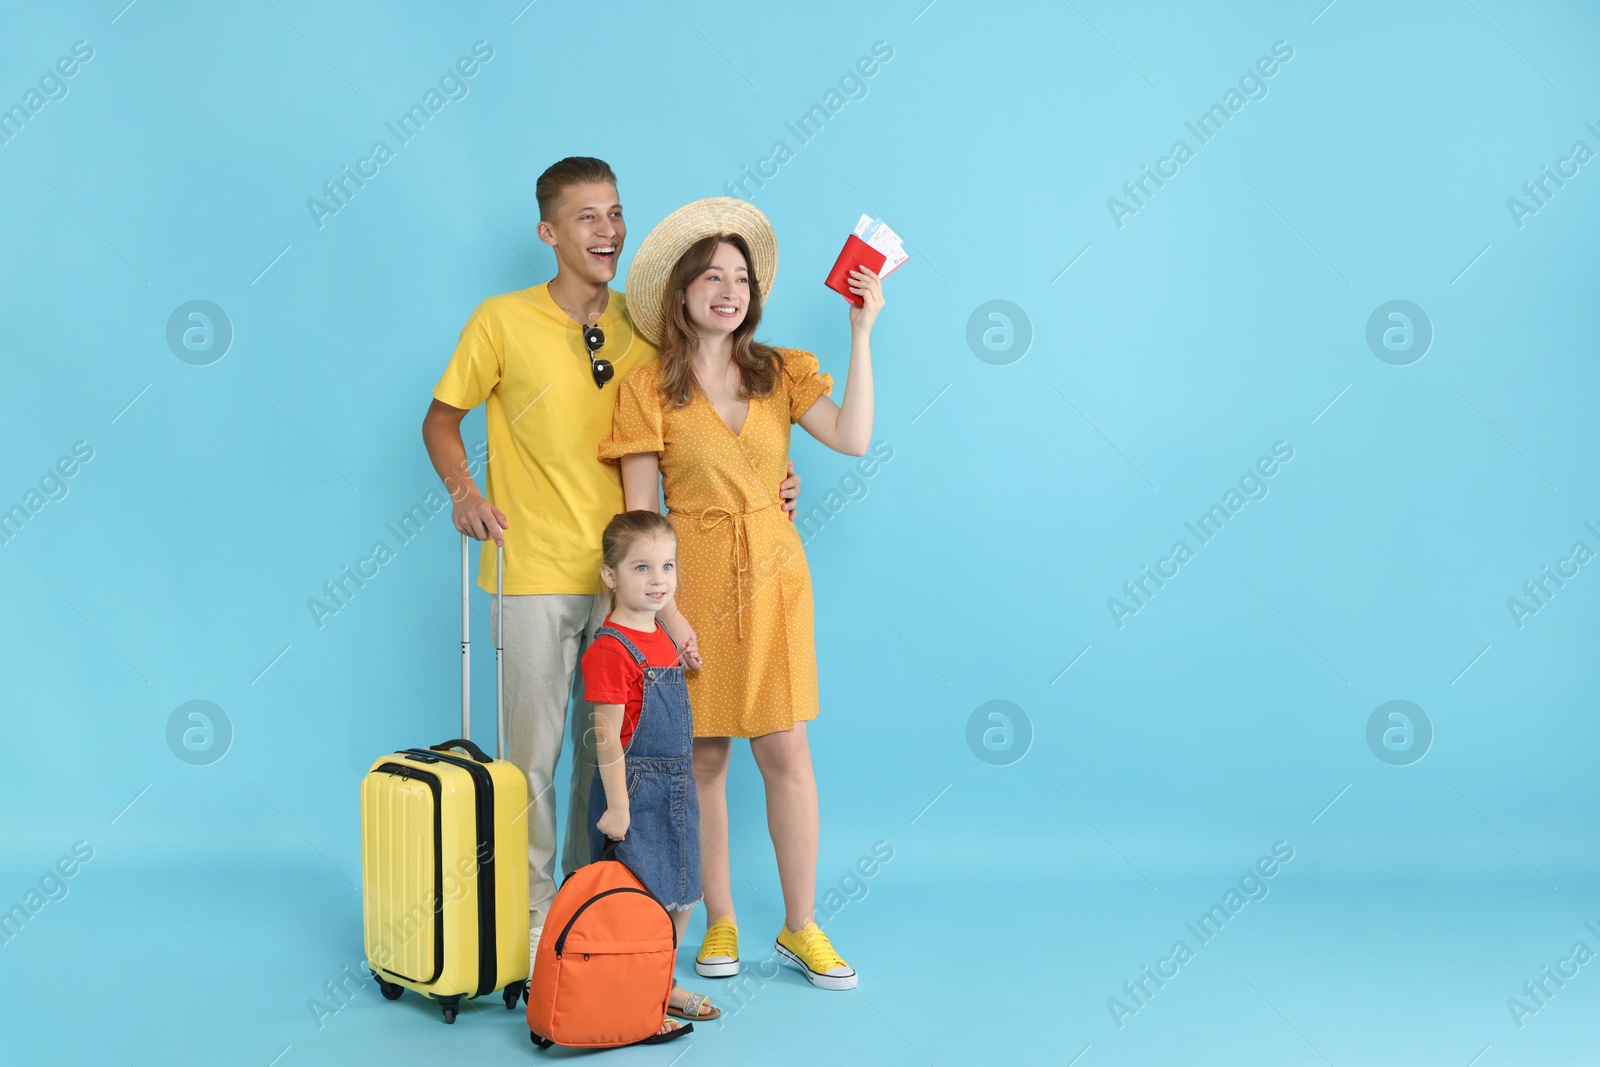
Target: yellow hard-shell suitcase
(444, 854)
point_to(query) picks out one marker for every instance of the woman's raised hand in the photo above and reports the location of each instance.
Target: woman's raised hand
(869, 287)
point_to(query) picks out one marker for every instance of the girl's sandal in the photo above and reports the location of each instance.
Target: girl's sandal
(696, 1006)
(676, 1029)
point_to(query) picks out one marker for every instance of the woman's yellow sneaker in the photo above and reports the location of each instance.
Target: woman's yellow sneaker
(719, 952)
(811, 951)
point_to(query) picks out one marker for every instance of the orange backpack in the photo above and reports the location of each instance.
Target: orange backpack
(603, 971)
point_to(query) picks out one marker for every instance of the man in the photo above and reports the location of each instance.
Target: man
(545, 361)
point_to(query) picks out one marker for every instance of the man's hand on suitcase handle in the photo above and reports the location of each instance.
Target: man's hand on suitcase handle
(477, 518)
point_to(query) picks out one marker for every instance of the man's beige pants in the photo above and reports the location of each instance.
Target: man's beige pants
(546, 634)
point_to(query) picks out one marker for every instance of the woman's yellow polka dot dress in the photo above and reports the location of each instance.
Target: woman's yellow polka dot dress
(743, 582)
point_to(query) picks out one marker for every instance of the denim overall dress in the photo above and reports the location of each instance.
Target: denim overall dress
(662, 845)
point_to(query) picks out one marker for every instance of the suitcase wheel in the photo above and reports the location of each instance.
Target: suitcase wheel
(389, 990)
(449, 1005)
(512, 994)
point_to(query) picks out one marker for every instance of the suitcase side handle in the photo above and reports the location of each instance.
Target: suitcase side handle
(465, 745)
(499, 646)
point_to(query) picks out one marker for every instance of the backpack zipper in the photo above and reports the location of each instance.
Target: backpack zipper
(561, 942)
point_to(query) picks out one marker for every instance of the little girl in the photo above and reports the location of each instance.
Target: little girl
(643, 797)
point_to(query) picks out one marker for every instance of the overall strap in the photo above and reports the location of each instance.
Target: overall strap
(663, 628)
(607, 631)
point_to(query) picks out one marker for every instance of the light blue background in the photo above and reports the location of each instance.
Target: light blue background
(1228, 314)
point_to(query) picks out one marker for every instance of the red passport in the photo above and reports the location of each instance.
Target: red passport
(855, 255)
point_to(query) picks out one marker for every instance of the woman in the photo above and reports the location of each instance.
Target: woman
(711, 419)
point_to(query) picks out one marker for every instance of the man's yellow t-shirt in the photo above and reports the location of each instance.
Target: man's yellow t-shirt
(523, 356)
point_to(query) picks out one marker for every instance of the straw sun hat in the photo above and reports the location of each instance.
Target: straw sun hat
(666, 244)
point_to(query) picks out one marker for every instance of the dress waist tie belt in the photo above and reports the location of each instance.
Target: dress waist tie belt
(712, 517)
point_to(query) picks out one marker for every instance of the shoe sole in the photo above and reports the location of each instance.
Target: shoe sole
(821, 981)
(716, 970)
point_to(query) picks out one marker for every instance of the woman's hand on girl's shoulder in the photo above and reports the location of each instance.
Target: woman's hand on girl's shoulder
(869, 287)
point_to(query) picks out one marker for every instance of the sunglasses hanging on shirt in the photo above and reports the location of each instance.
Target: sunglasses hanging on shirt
(594, 339)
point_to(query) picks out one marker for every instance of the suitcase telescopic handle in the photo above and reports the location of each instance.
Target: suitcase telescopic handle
(499, 646)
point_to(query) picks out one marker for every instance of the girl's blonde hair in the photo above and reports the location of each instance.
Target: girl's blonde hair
(619, 537)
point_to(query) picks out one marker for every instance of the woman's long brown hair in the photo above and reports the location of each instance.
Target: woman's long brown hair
(759, 364)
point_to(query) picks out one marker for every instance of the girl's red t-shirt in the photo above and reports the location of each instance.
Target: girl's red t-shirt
(610, 675)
